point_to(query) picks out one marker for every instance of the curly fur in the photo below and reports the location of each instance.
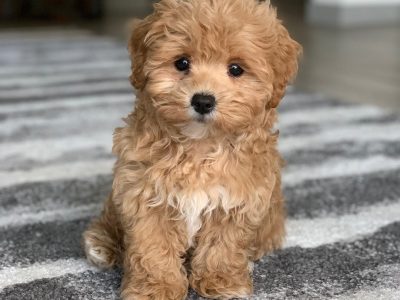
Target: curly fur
(196, 202)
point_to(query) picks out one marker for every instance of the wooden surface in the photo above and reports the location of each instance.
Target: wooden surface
(358, 65)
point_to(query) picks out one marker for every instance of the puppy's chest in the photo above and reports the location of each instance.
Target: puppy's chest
(206, 181)
(193, 205)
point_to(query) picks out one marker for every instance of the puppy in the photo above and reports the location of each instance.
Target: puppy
(198, 169)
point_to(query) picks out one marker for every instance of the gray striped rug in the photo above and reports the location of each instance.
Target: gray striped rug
(61, 95)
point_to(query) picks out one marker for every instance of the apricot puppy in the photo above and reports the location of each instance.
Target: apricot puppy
(198, 169)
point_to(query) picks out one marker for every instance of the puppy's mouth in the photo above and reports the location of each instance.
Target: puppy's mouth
(201, 119)
(204, 120)
(196, 129)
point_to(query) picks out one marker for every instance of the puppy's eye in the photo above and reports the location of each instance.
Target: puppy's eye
(182, 64)
(235, 70)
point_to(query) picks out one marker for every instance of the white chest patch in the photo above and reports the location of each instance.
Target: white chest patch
(193, 205)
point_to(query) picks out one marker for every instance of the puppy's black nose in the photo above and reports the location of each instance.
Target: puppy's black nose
(203, 103)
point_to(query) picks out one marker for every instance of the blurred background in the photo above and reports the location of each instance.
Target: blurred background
(351, 47)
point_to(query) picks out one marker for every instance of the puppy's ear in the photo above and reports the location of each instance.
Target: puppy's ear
(284, 62)
(138, 50)
(143, 34)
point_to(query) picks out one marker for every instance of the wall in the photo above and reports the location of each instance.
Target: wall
(353, 13)
(115, 8)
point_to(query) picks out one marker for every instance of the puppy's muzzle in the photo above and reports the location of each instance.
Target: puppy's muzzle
(203, 103)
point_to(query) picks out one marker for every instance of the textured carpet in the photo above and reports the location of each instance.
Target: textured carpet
(61, 95)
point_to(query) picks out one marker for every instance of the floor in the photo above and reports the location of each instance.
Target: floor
(60, 100)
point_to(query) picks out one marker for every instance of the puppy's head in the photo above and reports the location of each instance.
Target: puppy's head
(211, 66)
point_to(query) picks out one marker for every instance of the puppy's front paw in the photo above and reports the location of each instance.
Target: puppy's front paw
(166, 294)
(222, 286)
(144, 290)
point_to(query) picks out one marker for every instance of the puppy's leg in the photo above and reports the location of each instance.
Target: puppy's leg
(102, 241)
(154, 256)
(271, 233)
(220, 264)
